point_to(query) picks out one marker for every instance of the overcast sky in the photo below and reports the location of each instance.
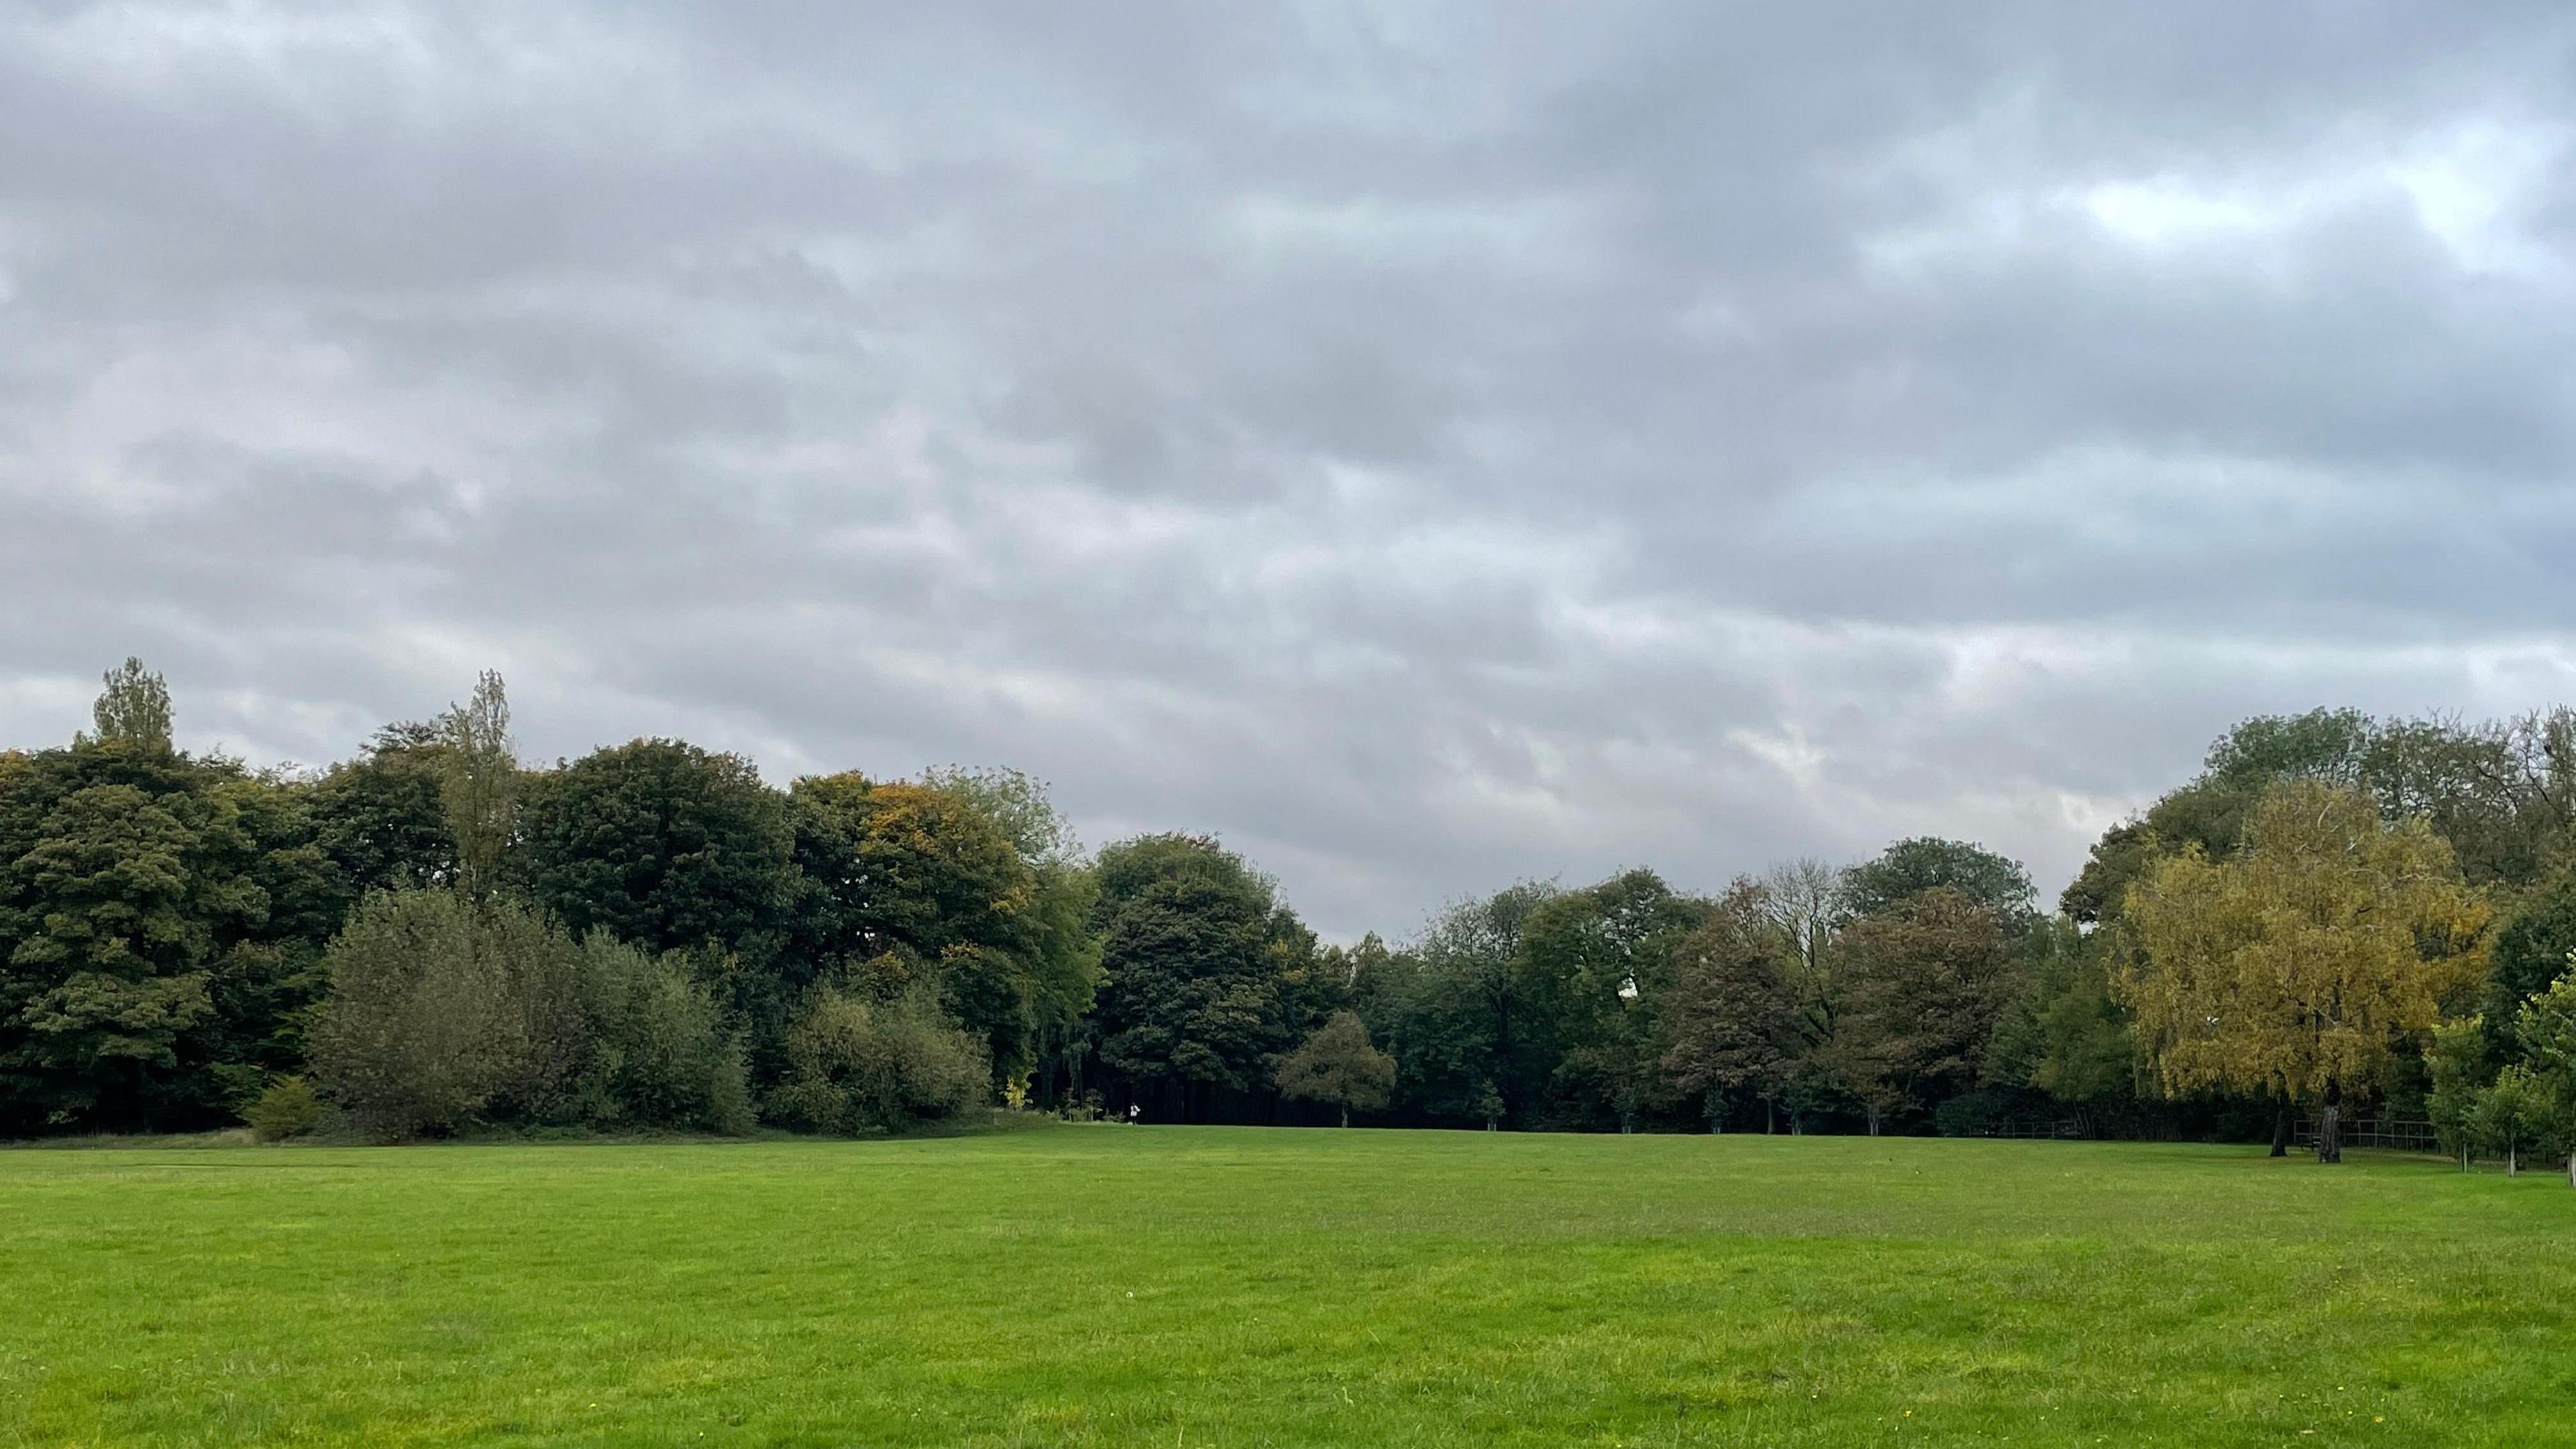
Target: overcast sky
(1424, 445)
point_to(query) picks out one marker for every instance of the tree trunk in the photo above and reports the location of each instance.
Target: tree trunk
(2512, 1160)
(2330, 1125)
(1346, 1115)
(1873, 1120)
(2281, 1130)
(1770, 1111)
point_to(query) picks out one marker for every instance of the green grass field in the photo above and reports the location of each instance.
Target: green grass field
(1179, 1286)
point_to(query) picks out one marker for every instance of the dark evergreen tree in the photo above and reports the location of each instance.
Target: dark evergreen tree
(662, 844)
(1199, 965)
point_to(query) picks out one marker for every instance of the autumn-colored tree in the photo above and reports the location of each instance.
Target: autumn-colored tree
(1065, 958)
(1924, 982)
(1338, 1066)
(961, 887)
(1735, 1021)
(2299, 966)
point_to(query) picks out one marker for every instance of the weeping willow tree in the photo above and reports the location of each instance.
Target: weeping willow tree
(2299, 966)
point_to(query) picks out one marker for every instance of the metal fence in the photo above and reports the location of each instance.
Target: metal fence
(2405, 1134)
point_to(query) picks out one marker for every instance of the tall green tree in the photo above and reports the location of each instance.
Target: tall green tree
(1338, 1066)
(2531, 951)
(2087, 1050)
(662, 844)
(1199, 962)
(479, 786)
(1910, 867)
(133, 709)
(1452, 1009)
(159, 917)
(1595, 964)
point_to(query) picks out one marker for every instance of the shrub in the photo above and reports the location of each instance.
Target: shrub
(286, 1108)
(659, 1053)
(419, 1033)
(856, 1066)
(443, 1014)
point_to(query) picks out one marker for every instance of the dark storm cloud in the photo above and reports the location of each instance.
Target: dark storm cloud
(1428, 445)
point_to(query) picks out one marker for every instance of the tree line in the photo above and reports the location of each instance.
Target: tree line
(2336, 915)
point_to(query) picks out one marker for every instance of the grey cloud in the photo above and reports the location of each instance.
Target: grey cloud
(1427, 446)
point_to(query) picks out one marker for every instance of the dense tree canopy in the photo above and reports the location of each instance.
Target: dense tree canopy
(1204, 974)
(150, 911)
(1595, 966)
(1455, 1013)
(1740, 1015)
(1924, 983)
(381, 818)
(663, 844)
(431, 937)
(1910, 867)
(907, 884)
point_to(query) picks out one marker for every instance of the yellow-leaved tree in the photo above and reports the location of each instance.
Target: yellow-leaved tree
(2300, 965)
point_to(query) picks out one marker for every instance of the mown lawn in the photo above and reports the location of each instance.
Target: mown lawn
(1179, 1286)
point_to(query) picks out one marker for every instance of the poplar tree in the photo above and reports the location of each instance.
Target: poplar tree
(480, 785)
(134, 708)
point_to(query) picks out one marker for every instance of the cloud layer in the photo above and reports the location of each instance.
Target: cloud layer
(1427, 446)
